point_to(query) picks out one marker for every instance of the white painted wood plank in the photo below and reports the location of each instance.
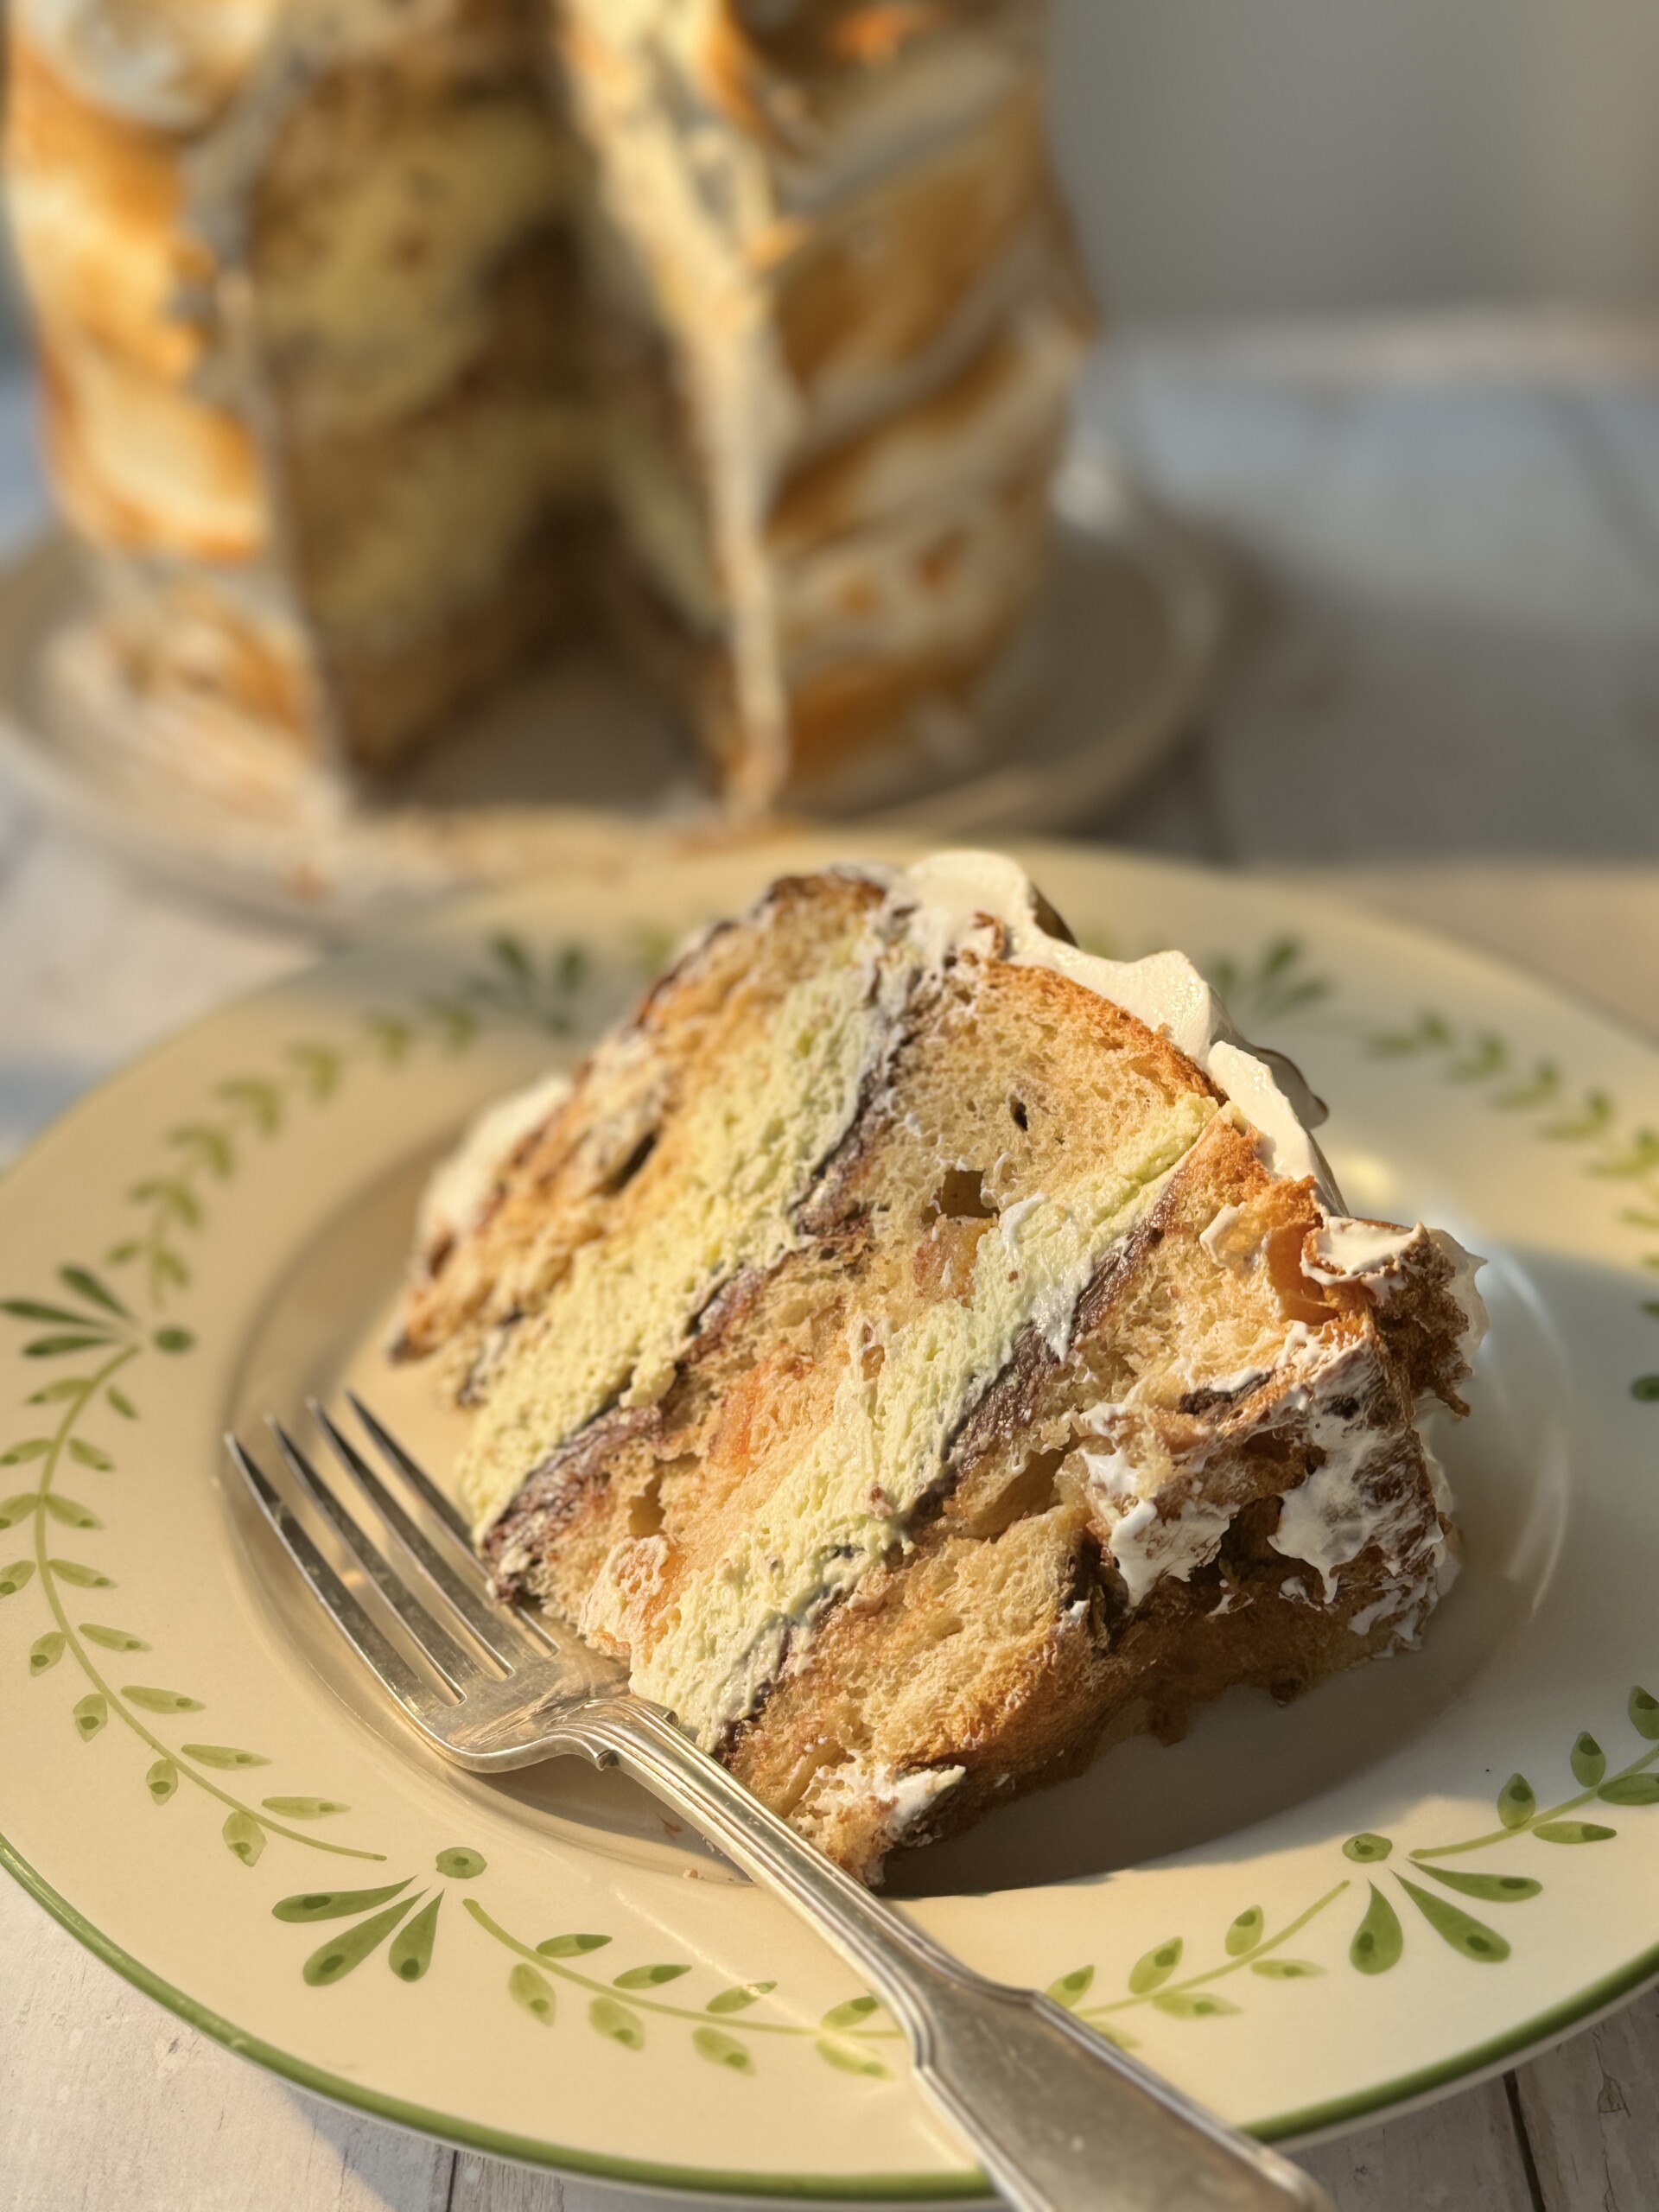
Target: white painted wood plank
(490, 2185)
(97, 965)
(1460, 2156)
(110, 2104)
(1591, 2112)
(1458, 642)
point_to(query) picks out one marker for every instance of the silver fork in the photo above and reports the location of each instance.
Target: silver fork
(1062, 2120)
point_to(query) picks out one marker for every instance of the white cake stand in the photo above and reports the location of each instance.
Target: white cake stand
(573, 765)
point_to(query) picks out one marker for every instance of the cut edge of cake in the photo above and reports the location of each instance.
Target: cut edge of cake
(980, 1368)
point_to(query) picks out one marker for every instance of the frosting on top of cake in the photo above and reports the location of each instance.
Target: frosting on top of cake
(1166, 991)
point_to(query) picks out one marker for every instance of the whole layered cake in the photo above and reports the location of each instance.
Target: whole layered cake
(926, 1352)
(386, 341)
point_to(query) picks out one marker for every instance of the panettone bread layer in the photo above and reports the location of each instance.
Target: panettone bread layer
(915, 1363)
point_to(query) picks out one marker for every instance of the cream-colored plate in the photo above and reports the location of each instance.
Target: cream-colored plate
(574, 763)
(1302, 1916)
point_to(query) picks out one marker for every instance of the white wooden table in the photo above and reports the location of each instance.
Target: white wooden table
(1445, 702)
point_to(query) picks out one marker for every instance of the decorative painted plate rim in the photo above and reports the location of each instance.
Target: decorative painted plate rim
(95, 1308)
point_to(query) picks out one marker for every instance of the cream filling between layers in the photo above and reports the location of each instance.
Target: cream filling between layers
(728, 1631)
(748, 1150)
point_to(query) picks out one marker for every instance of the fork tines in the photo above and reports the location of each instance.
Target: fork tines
(419, 1565)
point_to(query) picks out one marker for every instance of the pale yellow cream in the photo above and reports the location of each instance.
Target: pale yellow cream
(746, 1155)
(817, 1536)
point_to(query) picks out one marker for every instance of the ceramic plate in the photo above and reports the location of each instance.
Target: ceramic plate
(572, 760)
(1302, 1916)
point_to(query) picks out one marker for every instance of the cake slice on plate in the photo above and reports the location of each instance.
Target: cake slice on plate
(927, 1351)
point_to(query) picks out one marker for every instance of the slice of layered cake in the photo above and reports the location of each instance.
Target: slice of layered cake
(385, 341)
(842, 320)
(927, 1351)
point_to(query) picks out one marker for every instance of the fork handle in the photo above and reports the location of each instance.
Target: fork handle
(1062, 2120)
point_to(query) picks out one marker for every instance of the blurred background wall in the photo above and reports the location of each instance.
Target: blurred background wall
(1267, 158)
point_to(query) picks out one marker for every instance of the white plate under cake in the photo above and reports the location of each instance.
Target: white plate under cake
(1303, 1914)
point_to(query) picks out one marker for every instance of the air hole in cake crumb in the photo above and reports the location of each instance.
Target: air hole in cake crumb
(1299, 1298)
(1032, 1490)
(1022, 1117)
(620, 1177)
(826, 1752)
(960, 1197)
(645, 1511)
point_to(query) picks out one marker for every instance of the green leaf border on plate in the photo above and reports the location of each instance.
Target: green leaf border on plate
(85, 1313)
